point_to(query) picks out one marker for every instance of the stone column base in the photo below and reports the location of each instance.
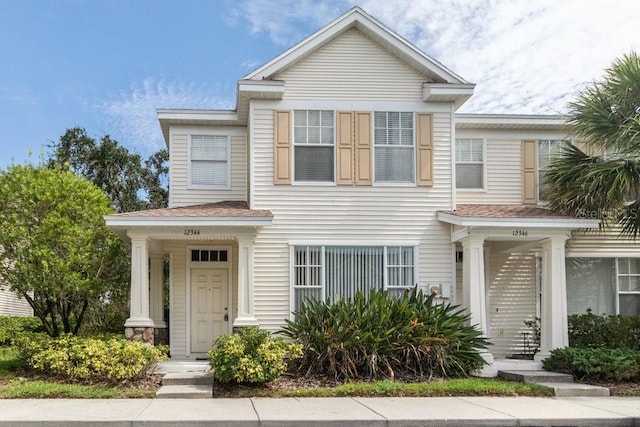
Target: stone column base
(144, 334)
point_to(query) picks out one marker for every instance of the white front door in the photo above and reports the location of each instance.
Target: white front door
(208, 307)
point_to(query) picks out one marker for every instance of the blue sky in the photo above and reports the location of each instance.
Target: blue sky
(106, 65)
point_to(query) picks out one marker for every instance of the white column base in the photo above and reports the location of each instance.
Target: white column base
(244, 321)
(487, 371)
(541, 355)
(139, 322)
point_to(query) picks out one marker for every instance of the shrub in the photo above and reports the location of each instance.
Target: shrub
(251, 356)
(378, 336)
(604, 364)
(606, 331)
(13, 326)
(89, 359)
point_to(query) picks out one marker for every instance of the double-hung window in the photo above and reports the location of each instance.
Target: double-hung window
(314, 137)
(394, 147)
(470, 163)
(604, 285)
(547, 150)
(335, 272)
(209, 161)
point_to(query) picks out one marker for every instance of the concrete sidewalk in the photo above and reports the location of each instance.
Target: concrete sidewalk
(378, 411)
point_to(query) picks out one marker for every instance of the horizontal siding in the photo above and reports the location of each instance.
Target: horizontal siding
(602, 243)
(352, 67)
(511, 300)
(11, 305)
(181, 195)
(352, 215)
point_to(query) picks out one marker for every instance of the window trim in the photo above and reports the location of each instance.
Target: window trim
(375, 182)
(322, 245)
(190, 185)
(617, 284)
(295, 181)
(484, 164)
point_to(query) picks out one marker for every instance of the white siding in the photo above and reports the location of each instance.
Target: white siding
(602, 244)
(352, 66)
(181, 194)
(511, 300)
(11, 305)
(503, 163)
(347, 216)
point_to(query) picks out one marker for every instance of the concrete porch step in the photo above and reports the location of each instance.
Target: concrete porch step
(538, 376)
(187, 378)
(185, 392)
(575, 389)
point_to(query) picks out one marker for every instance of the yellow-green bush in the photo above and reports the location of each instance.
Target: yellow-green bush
(88, 359)
(252, 356)
(13, 326)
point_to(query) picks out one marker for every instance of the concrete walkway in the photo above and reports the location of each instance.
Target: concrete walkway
(436, 411)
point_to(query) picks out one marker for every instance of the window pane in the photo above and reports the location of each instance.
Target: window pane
(634, 265)
(208, 147)
(590, 284)
(204, 255)
(326, 135)
(213, 256)
(469, 175)
(407, 256)
(623, 283)
(195, 255)
(208, 172)
(394, 164)
(300, 118)
(314, 163)
(326, 118)
(313, 117)
(300, 135)
(224, 256)
(302, 294)
(380, 119)
(476, 151)
(313, 135)
(630, 304)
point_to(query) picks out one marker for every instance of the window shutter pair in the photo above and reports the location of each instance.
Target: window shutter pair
(354, 148)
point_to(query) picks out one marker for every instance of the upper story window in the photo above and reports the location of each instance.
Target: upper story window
(209, 161)
(547, 150)
(469, 163)
(314, 136)
(394, 147)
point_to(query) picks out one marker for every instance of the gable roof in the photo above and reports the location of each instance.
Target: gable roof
(441, 84)
(372, 28)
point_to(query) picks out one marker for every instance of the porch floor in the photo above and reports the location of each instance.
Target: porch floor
(175, 366)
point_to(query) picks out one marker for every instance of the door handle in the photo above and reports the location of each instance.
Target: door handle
(226, 317)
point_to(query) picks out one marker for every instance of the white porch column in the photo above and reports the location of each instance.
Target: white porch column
(553, 308)
(246, 316)
(139, 311)
(156, 309)
(473, 291)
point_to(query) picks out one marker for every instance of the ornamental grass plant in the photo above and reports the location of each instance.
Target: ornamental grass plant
(376, 336)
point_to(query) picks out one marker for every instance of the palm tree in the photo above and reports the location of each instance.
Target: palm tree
(599, 176)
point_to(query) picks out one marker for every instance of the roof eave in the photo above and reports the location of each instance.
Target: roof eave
(547, 222)
(115, 221)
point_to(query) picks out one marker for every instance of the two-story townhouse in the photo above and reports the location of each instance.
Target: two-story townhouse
(345, 167)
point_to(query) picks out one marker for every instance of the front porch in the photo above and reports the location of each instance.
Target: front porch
(209, 252)
(513, 269)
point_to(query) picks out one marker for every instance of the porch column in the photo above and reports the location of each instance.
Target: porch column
(156, 279)
(246, 316)
(139, 325)
(473, 291)
(553, 308)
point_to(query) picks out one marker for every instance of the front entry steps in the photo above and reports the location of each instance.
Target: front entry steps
(562, 384)
(186, 385)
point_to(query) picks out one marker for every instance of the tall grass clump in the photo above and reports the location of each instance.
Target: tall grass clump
(376, 336)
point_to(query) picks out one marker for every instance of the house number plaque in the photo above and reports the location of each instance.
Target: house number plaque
(191, 232)
(519, 233)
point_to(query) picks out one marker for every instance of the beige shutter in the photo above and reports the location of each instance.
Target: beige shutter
(529, 172)
(344, 146)
(424, 150)
(363, 147)
(282, 147)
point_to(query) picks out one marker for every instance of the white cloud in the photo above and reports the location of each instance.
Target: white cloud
(525, 56)
(133, 113)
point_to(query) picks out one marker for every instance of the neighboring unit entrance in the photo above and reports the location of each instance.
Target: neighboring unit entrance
(209, 312)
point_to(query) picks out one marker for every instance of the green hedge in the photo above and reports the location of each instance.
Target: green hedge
(88, 359)
(604, 331)
(599, 364)
(379, 336)
(251, 356)
(14, 326)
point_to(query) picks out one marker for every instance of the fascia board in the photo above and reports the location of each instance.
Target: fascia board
(116, 221)
(569, 223)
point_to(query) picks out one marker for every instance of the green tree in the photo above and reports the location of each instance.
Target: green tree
(56, 251)
(130, 182)
(603, 180)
